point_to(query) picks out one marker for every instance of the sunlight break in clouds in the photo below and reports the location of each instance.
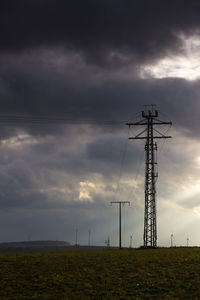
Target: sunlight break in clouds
(84, 194)
(19, 140)
(185, 65)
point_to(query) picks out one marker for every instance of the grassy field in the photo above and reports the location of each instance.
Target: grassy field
(107, 274)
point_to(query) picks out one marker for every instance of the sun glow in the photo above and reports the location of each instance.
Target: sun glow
(188, 192)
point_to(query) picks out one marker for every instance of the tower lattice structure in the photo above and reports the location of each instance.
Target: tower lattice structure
(150, 134)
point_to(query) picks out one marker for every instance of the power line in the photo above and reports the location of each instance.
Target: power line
(55, 118)
(138, 169)
(62, 119)
(124, 151)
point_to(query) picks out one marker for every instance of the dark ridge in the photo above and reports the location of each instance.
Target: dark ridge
(34, 244)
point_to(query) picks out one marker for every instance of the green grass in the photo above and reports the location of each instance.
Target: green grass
(107, 274)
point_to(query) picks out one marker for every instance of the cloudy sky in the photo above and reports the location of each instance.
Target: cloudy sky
(72, 73)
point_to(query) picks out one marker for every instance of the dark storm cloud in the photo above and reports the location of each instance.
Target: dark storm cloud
(46, 95)
(46, 98)
(49, 88)
(105, 32)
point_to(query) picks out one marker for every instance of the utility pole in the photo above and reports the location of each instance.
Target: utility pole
(131, 240)
(187, 241)
(89, 234)
(120, 213)
(107, 242)
(172, 237)
(149, 120)
(76, 243)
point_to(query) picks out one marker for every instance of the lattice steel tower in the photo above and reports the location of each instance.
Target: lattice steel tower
(149, 119)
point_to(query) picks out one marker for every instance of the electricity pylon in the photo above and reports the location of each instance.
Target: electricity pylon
(149, 119)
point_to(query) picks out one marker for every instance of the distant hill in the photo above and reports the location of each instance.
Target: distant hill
(44, 246)
(34, 244)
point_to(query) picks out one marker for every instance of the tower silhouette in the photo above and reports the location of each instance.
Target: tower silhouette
(150, 134)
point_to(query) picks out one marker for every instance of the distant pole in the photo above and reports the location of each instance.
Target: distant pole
(107, 242)
(76, 243)
(131, 240)
(172, 236)
(120, 217)
(89, 234)
(187, 241)
(120, 225)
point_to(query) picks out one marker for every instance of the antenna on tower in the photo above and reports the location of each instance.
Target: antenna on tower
(149, 119)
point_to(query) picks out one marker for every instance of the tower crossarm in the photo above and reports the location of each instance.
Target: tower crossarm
(141, 122)
(162, 123)
(144, 137)
(157, 122)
